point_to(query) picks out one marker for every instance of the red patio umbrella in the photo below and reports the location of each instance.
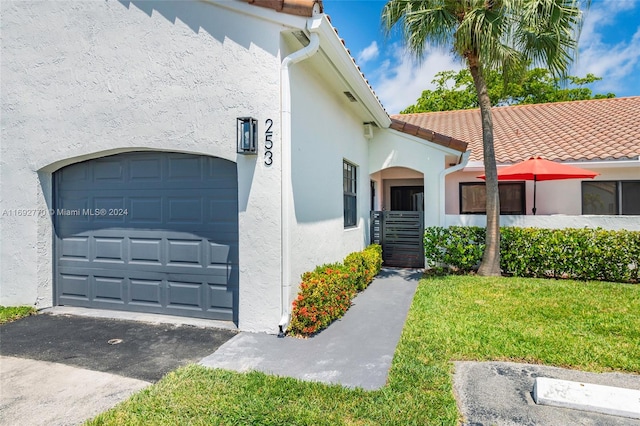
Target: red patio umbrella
(537, 169)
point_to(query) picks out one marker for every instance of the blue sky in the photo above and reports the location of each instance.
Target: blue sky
(609, 47)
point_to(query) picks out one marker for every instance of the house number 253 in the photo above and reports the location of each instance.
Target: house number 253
(268, 142)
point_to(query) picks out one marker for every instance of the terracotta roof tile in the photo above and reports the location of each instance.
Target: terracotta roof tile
(600, 129)
(292, 7)
(430, 135)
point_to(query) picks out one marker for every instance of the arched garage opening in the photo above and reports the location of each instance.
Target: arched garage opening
(153, 232)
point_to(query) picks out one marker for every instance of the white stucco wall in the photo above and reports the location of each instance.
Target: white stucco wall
(556, 197)
(85, 79)
(559, 221)
(324, 133)
(558, 202)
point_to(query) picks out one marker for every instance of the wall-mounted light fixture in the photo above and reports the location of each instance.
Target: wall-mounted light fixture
(247, 135)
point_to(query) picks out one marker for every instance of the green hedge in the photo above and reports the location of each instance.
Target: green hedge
(585, 254)
(325, 293)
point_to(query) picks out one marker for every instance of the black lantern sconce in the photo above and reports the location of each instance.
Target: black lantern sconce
(247, 135)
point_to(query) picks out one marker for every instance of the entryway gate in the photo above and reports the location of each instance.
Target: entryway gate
(400, 233)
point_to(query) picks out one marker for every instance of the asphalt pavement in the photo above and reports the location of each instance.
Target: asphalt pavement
(64, 369)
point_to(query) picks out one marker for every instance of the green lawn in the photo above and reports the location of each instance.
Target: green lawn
(591, 326)
(12, 313)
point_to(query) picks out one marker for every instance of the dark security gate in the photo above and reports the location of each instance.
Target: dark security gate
(148, 232)
(400, 233)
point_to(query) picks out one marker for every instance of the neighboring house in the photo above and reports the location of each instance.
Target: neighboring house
(600, 135)
(127, 181)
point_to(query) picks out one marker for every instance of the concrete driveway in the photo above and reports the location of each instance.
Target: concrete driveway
(500, 393)
(62, 370)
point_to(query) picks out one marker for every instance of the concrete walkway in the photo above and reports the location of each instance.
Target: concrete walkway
(45, 393)
(355, 351)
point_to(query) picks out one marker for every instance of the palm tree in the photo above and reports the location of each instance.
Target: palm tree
(499, 35)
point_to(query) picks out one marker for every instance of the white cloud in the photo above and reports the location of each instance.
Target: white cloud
(602, 14)
(368, 53)
(400, 80)
(613, 62)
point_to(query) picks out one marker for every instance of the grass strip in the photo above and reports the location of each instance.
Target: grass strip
(12, 313)
(592, 326)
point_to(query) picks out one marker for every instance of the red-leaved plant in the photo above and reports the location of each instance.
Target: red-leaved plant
(325, 294)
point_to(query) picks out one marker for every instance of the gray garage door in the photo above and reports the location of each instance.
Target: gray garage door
(148, 232)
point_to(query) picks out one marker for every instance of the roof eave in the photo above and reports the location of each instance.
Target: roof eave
(337, 53)
(307, 8)
(265, 13)
(429, 135)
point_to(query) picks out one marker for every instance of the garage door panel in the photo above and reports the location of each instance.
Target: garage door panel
(109, 289)
(176, 250)
(185, 294)
(106, 201)
(148, 288)
(150, 209)
(145, 250)
(109, 249)
(166, 256)
(220, 253)
(188, 253)
(150, 170)
(184, 168)
(74, 176)
(220, 274)
(226, 171)
(185, 210)
(108, 172)
(75, 286)
(174, 247)
(76, 248)
(218, 296)
(221, 211)
(146, 292)
(145, 210)
(145, 170)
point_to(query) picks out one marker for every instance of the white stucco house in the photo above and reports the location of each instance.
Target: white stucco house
(193, 158)
(601, 135)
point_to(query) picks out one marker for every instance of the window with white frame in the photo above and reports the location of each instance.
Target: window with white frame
(611, 197)
(350, 184)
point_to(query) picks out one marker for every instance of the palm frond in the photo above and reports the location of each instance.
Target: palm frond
(506, 35)
(421, 22)
(548, 33)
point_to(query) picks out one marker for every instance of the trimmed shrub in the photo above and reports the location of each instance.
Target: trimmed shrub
(373, 261)
(460, 247)
(325, 293)
(586, 254)
(355, 263)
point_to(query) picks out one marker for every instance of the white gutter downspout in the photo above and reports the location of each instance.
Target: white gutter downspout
(286, 185)
(443, 174)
